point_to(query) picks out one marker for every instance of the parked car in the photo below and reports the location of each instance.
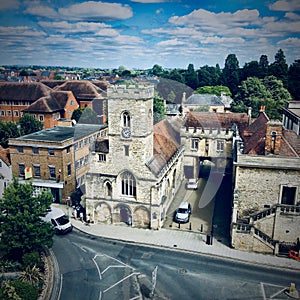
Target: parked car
(192, 184)
(183, 212)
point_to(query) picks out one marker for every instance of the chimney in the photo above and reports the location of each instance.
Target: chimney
(183, 97)
(273, 137)
(262, 108)
(249, 115)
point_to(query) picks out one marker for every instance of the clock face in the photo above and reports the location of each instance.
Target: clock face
(126, 133)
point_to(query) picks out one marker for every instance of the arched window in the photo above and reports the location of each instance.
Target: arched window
(128, 185)
(126, 119)
(108, 189)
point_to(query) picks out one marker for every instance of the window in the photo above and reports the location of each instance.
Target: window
(21, 169)
(126, 150)
(2, 113)
(0, 164)
(41, 118)
(126, 119)
(220, 146)
(16, 113)
(128, 185)
(194, 144)
(8, 113)
(20, 149)
(77, 164)
(52, 173)
(108, 189)
(50, 151)
(72, 102)
(86, 159)
(76, 146)
(36, 170)
(68, 149)
(102, 157)
(69, 169)
(288, 195)
(35, 150)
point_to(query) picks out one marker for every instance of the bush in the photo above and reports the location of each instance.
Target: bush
(32, 259)
(24, 290)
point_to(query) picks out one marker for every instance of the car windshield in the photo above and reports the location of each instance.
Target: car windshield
(182, 210)
(62, 220)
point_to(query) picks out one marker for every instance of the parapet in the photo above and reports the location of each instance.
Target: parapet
(130, 92)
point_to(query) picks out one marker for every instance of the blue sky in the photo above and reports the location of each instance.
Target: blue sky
(141, 33)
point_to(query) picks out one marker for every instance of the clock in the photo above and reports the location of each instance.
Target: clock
(126, 133)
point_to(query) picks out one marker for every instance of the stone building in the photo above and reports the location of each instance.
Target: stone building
(266, 204)
(135, 173)
(56, 158)
(208, 137)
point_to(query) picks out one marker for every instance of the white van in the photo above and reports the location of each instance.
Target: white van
(59, 220)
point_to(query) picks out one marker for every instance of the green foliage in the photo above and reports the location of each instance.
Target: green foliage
(214, 90)
(19, 290)
(88, 116)
(209, 76)
(29, 124)
(294, 79)
(231, 73)
(8, 130)
(57, 77)
(157, 70)
(191, 78)
(159, 109)
(22, 229)
(255, 92)
(31, 275)
(8, 291)
(279, 67)
(32, 259)
(77, 114)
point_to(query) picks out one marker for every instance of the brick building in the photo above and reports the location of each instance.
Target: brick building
(17, 96)
(56, 158)
(266, 204)
(53, 107)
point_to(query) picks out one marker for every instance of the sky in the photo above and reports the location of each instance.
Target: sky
(142, 33)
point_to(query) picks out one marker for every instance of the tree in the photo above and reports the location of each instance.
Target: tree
(263, 66)
(88, 116)
(159, 109)
(29, 124)
(294, 79)
(209, 75)
(250, 69)
(157, 70)
(22, 229)
(251, 93)
(8, 130)
(255, 92)
(279, 67)
(77, 114)
(230, 73)
(214, 90)
(191, 78)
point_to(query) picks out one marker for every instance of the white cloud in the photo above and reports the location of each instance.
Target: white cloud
(285, 5)
(294, 42)
(12, 4)
(96, 11)
(37, 9)
(151, 1)
(173, 42)
(23, 31)
(292, 16)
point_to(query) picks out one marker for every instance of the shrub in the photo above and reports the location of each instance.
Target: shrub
(25, 290)
(32, 259)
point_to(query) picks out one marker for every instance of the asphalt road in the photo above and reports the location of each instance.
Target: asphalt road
(97, 268)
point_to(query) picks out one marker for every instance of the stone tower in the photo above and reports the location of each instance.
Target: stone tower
(130, 123)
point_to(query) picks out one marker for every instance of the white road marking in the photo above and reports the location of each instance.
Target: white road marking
(135, 273)
(99, 272)
(113, 266)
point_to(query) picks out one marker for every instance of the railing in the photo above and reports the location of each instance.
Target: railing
(240, 227)
(265, 237)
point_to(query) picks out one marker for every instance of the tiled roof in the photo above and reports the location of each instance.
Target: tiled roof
(166, 141)
(254, 135)
(56, 101)
(5, 155)
(27, 91)
(203, 99)
(82, 89)
(216, 120)
(52, 83)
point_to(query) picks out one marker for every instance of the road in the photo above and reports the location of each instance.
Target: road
(97, 268)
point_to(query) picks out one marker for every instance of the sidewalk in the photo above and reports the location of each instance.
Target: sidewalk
(180, 240)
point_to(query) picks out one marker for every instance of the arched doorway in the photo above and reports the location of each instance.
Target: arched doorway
(122, 214)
